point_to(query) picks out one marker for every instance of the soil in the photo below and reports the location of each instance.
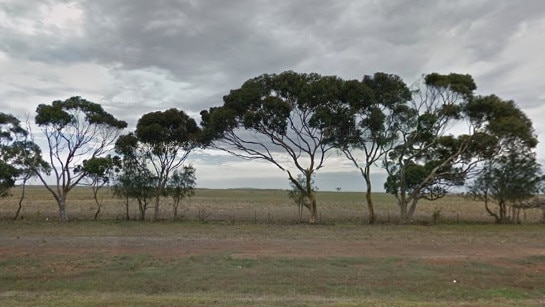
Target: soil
(170, 247)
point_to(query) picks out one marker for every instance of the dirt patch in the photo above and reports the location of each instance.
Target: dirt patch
(250, 248)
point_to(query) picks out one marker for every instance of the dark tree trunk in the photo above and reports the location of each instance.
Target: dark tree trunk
(20, 204)
(370, 208)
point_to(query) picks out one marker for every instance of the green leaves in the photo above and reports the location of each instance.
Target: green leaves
(457, 83)
(170, 126)
(502, 119)
(62, 113)
(19, 157)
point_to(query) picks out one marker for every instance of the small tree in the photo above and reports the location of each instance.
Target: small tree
(11, 133)
(76, 129)
(20, 158)
(299, 197)
(137, 184)
(508, 180)
(510, 174)
(28, 161)
(161, 144)
(100, 171)
(181, 185)
(135, 180)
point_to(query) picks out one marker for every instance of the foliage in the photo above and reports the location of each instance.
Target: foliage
(10, 132)
(161, 144)
(367, 133)
(76, 130)
(135, 180)
(181, 185)
(286, 119)
(509, 180)
(426, 160)
(20, 158)
(100, 171)
(299, 197)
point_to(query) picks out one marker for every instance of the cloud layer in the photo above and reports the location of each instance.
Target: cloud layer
(137, 56)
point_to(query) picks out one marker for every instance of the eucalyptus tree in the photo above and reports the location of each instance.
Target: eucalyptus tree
(180, 185)
(76, 130)
(27, 158)
(20, 157)
(162, 142)
(428, 158)
(299, 197)
(373, 107)
(134, 181)
(286, 119)
(11, 132)
(100, 172)
(432, 154)
(510, 174)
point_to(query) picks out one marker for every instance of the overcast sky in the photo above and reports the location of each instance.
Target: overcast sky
(137, 56)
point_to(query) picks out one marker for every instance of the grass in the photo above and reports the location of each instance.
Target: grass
(257, 206)
(251, 251)
(272, 280)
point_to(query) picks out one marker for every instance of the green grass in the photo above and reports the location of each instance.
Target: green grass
(207, 278)
(397, 274)
(224, 278)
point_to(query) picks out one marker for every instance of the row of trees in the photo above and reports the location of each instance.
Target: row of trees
(428, 139)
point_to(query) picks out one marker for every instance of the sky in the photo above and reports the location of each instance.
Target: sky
(139, 56)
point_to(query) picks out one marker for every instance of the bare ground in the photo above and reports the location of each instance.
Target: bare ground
(247, 247)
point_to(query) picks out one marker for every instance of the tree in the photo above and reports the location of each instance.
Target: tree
(426, 160)
(162, 142)
(28, 160)
(76, 129)
(372, 105)
(100, 171)
(20, 157)
(285, 119)
(510, 174)
(508, 180)
(300, 198)
(429, 158)
(135, 180)
(11, 133)
(179, 186)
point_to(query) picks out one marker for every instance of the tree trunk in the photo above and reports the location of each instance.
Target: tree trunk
(127, 216)
(97, 202)
(372, 217)
(370, 209)
(21, 200)
(175, 205)
(412, 210)
(301, 205)
(63, 215)
(142, 210)
(402, 212)
(312, 208)
(156, 208)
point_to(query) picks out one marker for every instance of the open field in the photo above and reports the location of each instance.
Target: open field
(256, 254)
(258, 206)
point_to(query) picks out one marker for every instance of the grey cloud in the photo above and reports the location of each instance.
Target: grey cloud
(188, 54)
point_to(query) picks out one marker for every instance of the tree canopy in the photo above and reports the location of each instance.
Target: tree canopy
(286, 119)
(160, 145)
(76, 130)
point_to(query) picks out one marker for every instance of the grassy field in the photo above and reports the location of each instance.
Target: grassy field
(245, 248)
(259, 206)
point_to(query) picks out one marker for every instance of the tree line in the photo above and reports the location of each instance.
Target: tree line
(428, 138)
